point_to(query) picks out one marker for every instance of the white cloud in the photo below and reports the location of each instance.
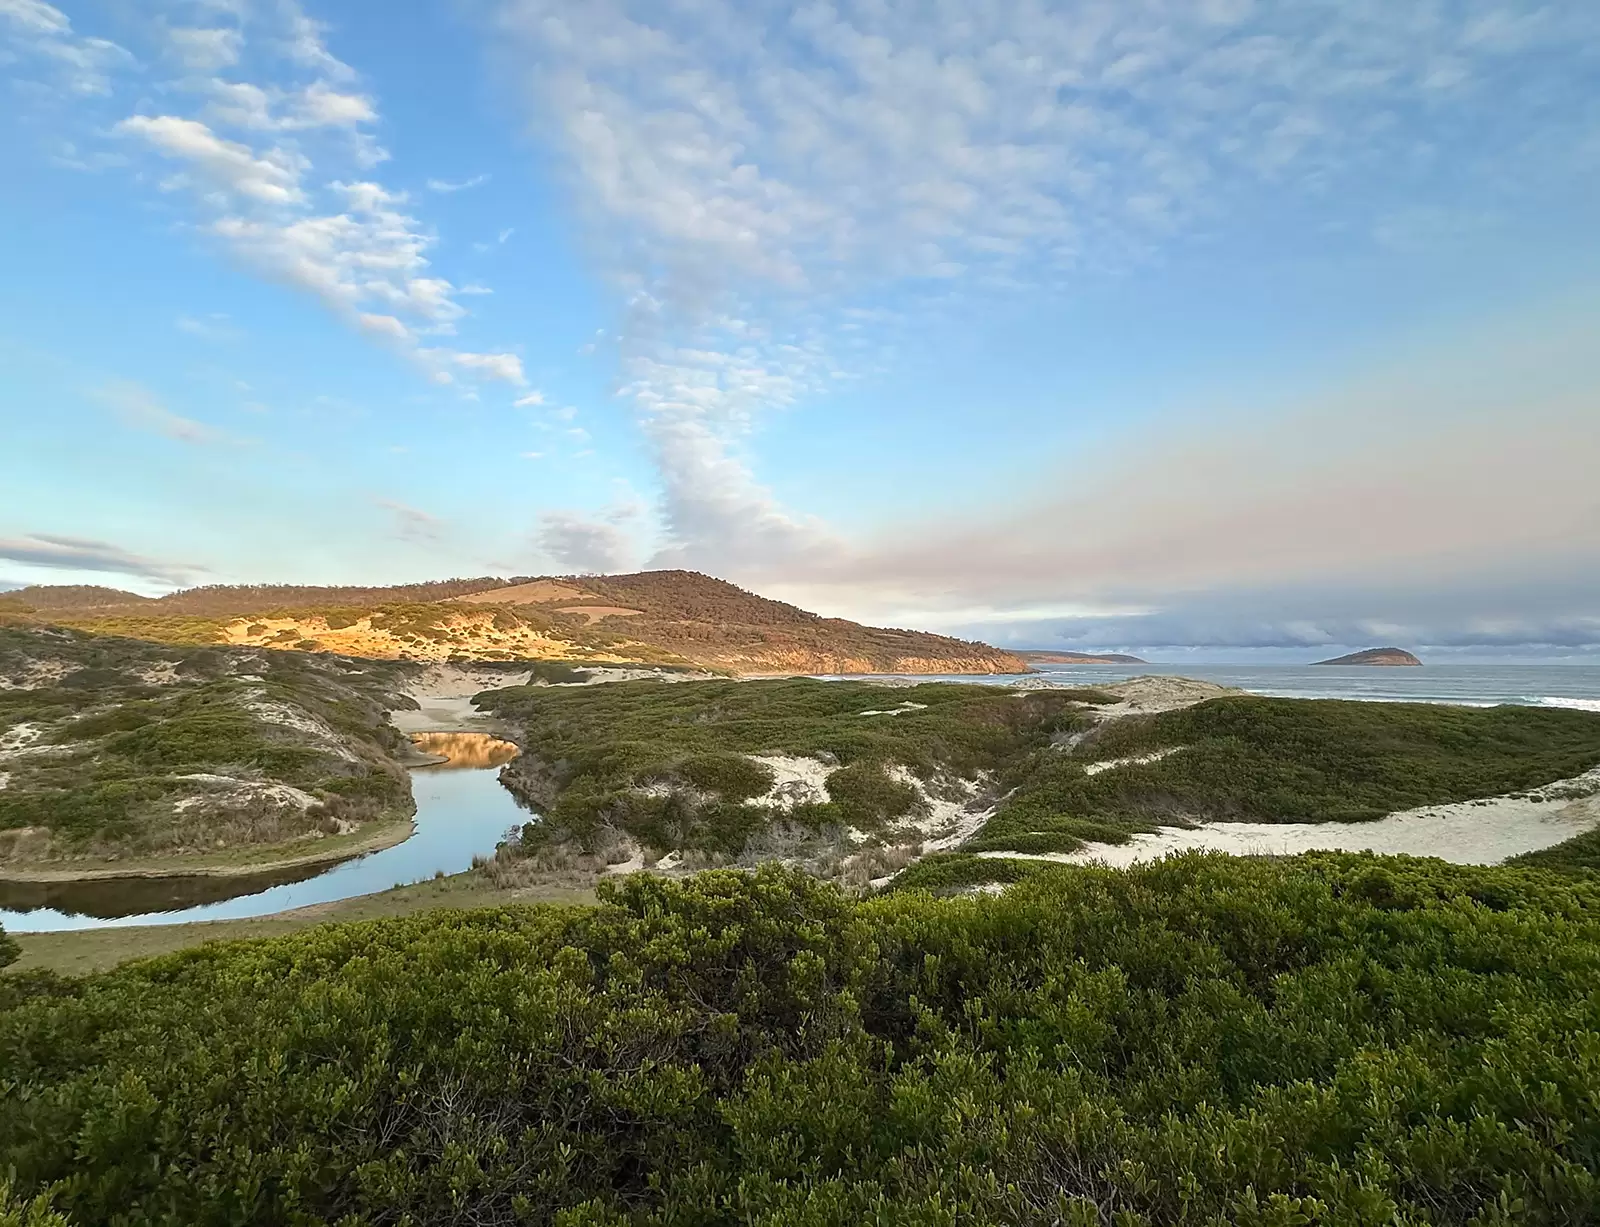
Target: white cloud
(35, 17)
(384, 326)
(493, 366)
(530, 400)
(278, 164)
(445, 185)
(273, 178)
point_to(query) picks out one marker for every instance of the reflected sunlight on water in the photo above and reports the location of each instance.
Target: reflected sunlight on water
(465, 750)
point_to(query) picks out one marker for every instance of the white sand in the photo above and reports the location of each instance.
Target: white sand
(896, 711)
(796, 781)
(1155, 756)
(1483, 832)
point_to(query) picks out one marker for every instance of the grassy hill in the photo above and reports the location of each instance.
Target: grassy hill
(654, 617)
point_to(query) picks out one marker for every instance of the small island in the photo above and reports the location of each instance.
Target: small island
(1046, 657)
(1374, 656)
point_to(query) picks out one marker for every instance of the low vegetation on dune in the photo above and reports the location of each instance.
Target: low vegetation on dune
(750, 770)
(678, 767)
(1336, 1039)
(654, 618)
(119, 748)
(1282, 760)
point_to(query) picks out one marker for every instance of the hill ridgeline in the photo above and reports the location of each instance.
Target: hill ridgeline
(677, 618)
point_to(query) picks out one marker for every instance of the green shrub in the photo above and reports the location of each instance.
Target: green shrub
(732, 776)
(866, 797)
(1336, 1039)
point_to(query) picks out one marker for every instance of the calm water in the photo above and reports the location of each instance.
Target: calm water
(462, 811)
(1574, 686)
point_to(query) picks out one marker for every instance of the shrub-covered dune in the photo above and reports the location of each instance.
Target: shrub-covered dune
(1338, 1039)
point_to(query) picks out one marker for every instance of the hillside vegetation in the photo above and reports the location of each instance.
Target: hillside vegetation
(1334, 1040)
(1284, 760)
(115, 748)
(656, 617)
(671, 768)
(654, 769)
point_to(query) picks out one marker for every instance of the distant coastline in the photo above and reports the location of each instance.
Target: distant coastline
(1044, 656)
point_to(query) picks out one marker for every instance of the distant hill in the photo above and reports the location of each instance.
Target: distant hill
(1045, 657)
(1374, 656)
(654, 617)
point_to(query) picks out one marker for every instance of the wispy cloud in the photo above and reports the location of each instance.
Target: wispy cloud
(84, 554)
(445, 185)
(138, 407)
(582, 544)
(43, 37)
(411, 523)
(216, 326)
(776, 178)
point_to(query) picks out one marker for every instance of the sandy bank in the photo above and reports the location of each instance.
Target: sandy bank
(1483, 832)
(375, 838)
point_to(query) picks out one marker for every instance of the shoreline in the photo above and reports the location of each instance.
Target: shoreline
(393, 832)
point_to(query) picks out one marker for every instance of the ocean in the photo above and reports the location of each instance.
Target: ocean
(1570, 686)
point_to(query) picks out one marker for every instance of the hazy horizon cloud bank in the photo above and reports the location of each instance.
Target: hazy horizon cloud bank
(785, 189)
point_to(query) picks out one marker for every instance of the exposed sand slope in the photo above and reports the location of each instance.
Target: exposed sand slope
(1483, 832)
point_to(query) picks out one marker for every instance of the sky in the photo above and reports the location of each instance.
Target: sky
(1217, 330)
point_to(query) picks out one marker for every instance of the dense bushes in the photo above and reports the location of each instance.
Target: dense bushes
(1285, 760)
(1340, 1040)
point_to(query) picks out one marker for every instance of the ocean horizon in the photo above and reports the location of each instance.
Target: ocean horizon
(1576, 687)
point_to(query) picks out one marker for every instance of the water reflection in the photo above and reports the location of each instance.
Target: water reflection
(465, 750)
(462, 811)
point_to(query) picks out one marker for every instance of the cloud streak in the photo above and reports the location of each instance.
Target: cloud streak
(85, 554)
(272, 138)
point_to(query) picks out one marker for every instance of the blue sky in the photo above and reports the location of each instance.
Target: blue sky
(1210, 329)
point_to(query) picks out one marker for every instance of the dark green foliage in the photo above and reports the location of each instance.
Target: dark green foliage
(1286, 760)
(1334, 1040)
(590, 748)
(732, 776)
(9, 951)
(953, 872)
(1580, 854)
(555, 673)
(865, 796)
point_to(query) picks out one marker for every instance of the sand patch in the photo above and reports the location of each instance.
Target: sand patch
(901, 710)
(538, 592)
(1482, 832)
(301, 721)
(1157, 693)
(230, 792)
(796, 781)
(1155, 756)
(20, 736)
